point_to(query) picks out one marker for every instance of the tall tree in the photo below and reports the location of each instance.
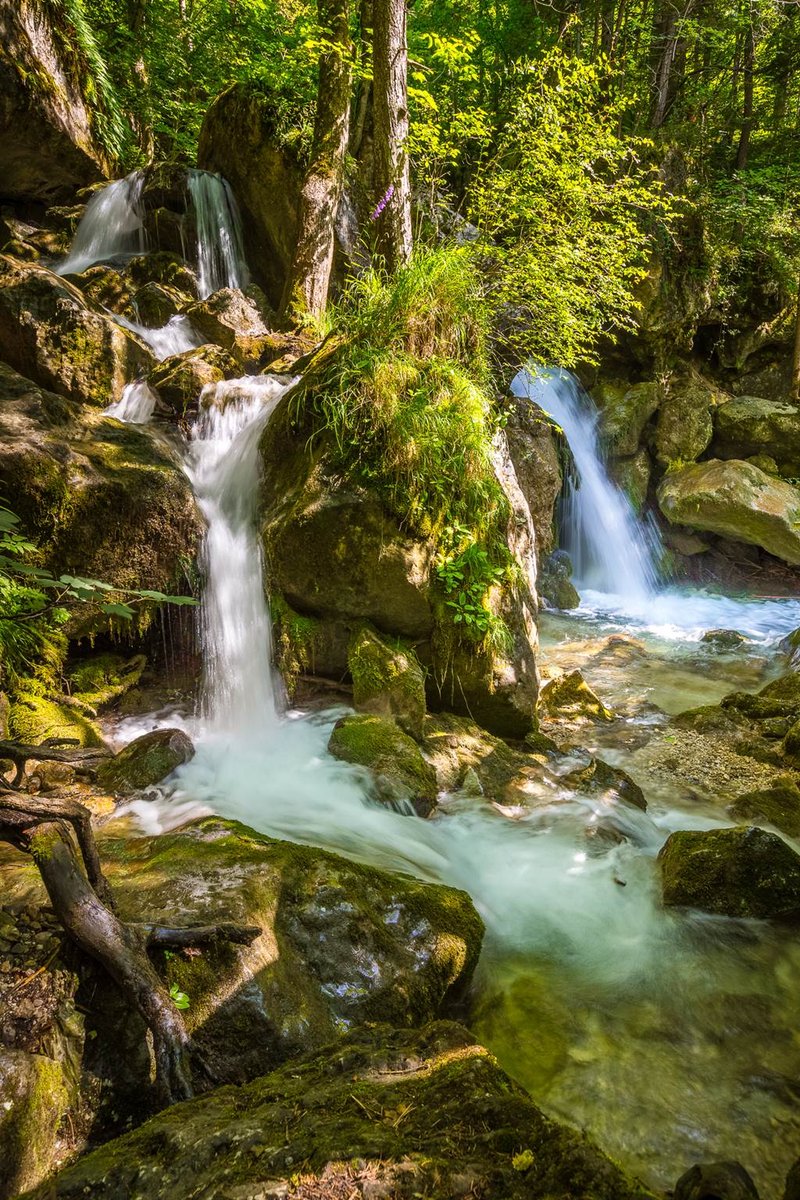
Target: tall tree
(306, 291)
(392, 214)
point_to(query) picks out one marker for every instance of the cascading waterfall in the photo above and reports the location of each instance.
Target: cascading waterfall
(113, 227)
(136, 405)
(175, 337)
(611, 551)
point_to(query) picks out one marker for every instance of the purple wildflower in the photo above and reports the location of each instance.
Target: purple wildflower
(383, 202)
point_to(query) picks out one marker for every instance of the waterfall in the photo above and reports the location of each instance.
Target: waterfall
(113, 227)
(175, 337)
(611, 551)
(136, 405)
(223, 464)
(220, 249)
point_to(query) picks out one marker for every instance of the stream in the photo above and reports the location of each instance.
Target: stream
(670, 1038)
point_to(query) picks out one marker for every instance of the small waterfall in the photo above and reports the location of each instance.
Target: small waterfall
(611, 551)
(136, 405)
(111, 227)
(220, 248)
(175, 337)
(223, 464)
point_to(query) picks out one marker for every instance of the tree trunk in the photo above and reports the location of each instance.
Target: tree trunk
(747, 106)
(306, 291)
(392, 214)
(669, 55)
(796, 355)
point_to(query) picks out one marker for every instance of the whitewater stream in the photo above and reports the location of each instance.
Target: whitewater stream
(671, 1039)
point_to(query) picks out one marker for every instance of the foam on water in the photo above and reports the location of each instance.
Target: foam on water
(136, 405)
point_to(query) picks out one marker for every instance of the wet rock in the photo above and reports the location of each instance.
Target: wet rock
(715, 1181)
(387, 681)
(750, 425)
(555, 581)
(723, 639)
(736, 500)
(632, 476)
(611, 785)
(778, 805)
(532, 442)
(741, 872)
(360, 1125)
(49, 334)
(155, 304)
(180, 379)
(792, 1191)
(146, 761)
(457, 749)
(402, 774)
(684, 428)
(34, 718)
(164, 267)
(790, 645)
(569, 697)
(100, 680)
(341, 944)
(47, 146)
(624, 417)
(685, 543)
(35, 1100)
(103, 287)
(232, 320)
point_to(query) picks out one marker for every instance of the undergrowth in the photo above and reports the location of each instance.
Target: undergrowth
(406, 403)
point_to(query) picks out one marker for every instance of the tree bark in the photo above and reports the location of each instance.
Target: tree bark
(747, 105)
(392, 214)
(306, 292)
(796, 354)
(669, 55)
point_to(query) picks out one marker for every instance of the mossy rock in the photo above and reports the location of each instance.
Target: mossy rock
(387, 681)
(161, 266)
(750, 425)
(632, 476)
(555, 581)
(610, 785)
(103, 287)
(146, 761)
(569, 697)
(231, 320)
(155, 304)
(624, 417)
(387, 1112)
(740, 872)
(96, 682)
(340, 944)
(723, 639)
(778, 805)
(34, 719)
(36, 1097)
(684, 428)
(790, 645)
(180, 379)
(394, 758)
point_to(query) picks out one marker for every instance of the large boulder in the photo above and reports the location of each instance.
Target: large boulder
(104, 500)
(684, 427)
(145, 761)
(736, 500)
(35, 1101)
(358, 1120)
(624, 416)
(777, 805)
(740, 872)
(751, 426)
(49, 334)
(402, 776)
(632, 476)
(232, 320)
(180, 379)
(387, 680)
(240, 140)
(47, 143)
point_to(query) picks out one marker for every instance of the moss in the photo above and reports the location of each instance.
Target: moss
(33, 719)
(741, 872)
(295, 639)
(98, 681)
(392, 756)
(387, 681)
(570, 697)
(778, 805)
(35, 1101)
(355, 1118)
(146, 761)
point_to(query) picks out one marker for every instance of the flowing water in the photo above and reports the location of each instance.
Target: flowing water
(177, 336)
(112, 226)
(136, 405)
(220, 249)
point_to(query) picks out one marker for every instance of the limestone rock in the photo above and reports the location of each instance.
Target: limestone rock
(103, 287)
(736, 500)
(380, 745)
(154, 304)
(489, 1138)
(740, 872)
(632, 476)
(555, 581)
(751, 426)
(164, 267)
(569, 697)
(623, 418)
(532, 444)
(230, 319)
(35, 1101)
(684, 427)
(47, 143)
(48, 333)
(387, 681)
(180, 379)
(611, 785)
(239, 139)
(146, 761)
(778, 805)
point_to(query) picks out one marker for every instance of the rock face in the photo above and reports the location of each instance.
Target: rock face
(49, 334)
(104, 500)
(146, 761)
(555, 581)
(239, 140)
(533, 449)
(736, 500)
(684, 427)
(360, 1125)
(403, 777)
(47, 148)
(231, 320)
(340, 945)
(624, 417)
(749, 426)
(741, 872)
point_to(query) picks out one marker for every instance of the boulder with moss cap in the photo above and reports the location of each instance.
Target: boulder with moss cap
(387, 680)
(740, 872)
(145, 761)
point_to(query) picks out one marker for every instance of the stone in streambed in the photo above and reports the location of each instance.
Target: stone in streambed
(35, 1098)
(555, 581)
(232, 320)
(387, 1112)
(723, 639)
(569, 697)
(611, 785)
(387, 680)
(146, 761)
(180, 379)
(777, 805)
(740, 872)
(715, 1181)
(394, 758)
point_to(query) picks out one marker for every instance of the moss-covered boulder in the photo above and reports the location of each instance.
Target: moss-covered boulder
(146, 761)
(180, 379)
(49, 334)
(35, 1100)
(232, 320)
(750, 425)
(790, 645)
(720, 1180)
(104, 287)
(684, 428)
(403, 776)
(623, 417)
(554, 581)
(340, 945)
(569, 697)
(98, 681)
(632, 476)
(104, 500)
(740, 872)
(737, 500)
(608, 785)
(35, 718)
(154, 304)
(48, 105)
(778, 805)
(386, 1113)
(387, 680)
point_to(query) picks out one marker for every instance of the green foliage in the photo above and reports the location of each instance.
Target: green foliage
(179, 998)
